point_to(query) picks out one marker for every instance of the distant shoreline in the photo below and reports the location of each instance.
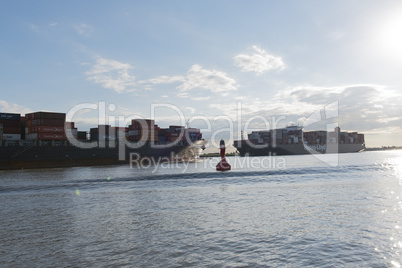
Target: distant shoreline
(384, 148)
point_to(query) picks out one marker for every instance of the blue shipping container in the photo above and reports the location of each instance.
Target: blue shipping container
(7, 116)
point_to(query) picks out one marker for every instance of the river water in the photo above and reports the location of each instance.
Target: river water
(292, 211)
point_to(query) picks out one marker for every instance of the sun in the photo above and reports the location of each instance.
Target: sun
(390, 35)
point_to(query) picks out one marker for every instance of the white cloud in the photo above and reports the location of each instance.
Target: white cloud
(163, 80)
(198, 78)
(211, 80)
(259, 62)
(52, 24)
(266, 108)
(201, 98)
(182, 95)
(34, 27)
(8, 107)
(191, 109)
(112, 74)
(362, 108)
(83, 29)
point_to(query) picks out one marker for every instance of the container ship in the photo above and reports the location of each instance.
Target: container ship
(292, 140)
(45, 139)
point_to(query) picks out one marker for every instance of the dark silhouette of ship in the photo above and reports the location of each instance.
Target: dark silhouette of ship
(292, 140)
(45, 139)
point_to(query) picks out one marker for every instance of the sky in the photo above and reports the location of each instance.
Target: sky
(223, 66)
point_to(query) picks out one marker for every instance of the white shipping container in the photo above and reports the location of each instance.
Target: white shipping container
(12, 137)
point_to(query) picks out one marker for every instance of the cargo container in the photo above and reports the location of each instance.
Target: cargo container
(31, 136)
(360, 138)
(143, 129)
(46, 115)
(11, 137)
(139, 123)
(10, 123)
(74, 132)
(48, 122)
(81, 135)
(46, 136)
(11, 130)
(47, 129)
(8, 116)
(69, 125)
(103, 133)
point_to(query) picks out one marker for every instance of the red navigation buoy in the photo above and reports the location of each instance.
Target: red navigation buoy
(223, 165)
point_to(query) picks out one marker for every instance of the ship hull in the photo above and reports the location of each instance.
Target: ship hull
(244, 148)
(20, 157)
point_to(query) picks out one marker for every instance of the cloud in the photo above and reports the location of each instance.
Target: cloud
(9, 107)
(83, 29)
(163, 80)
(34, 27)
(190, 109)
(211, 80)
(361, 107)
(52, 24)
(197, 78)
(112, 74)
(201, 98)
(259, 62)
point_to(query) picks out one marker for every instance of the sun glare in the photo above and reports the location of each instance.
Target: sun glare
(398, 168)
(390, 36)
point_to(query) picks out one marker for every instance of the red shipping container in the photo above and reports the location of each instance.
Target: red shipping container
(11, 130)
(47, 129)
(69, 124)
(10, 123)
(47, 115)
(51, 136)
(48, 122)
